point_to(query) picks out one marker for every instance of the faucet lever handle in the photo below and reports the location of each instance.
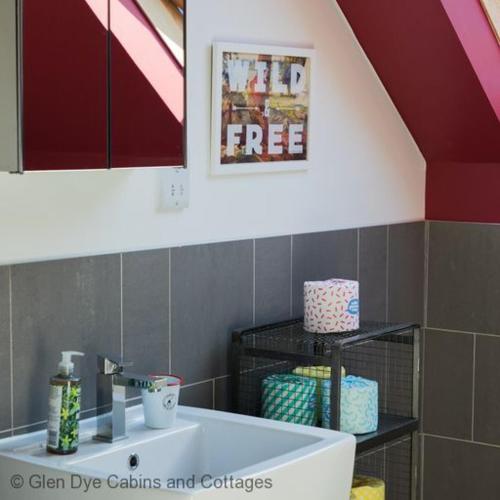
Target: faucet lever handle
(107, 366)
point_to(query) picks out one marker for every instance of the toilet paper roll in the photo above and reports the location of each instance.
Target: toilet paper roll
(358, 405)
(318, 374)
(331, 306)
(289, 398)
(367, 488)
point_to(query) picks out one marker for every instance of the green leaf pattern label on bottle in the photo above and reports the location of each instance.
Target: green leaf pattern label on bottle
(69, 418)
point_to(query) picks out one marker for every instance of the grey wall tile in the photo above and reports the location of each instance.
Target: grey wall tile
(93, 412)
(371, 463)
(319, 256)
(420, 466)
(406, 272)
(398, 473)
(373, 273)
(272, 279)
(448, 384)
(31, 428)
(5, 409)
(399, 361)
(61, 305)
(198, 395)
(146, 310)
(222, 394)
(134, 401)
(460, 470)
(487, 390)
(212, 294)
(421, 380)
(464, 277)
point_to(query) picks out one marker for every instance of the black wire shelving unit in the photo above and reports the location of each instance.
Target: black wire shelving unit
(388, 353)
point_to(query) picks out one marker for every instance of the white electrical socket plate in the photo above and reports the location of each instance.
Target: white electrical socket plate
(175, 188)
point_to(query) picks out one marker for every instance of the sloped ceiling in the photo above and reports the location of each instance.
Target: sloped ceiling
(436, 73)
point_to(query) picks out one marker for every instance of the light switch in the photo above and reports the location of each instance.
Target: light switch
(175, 188)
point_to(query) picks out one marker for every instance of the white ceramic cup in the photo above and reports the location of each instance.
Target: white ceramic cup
(160, 407)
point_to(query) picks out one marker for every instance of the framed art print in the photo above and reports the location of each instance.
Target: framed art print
(260, 108)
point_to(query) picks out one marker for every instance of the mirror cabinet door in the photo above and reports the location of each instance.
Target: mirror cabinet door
(103, 84)
(64, 87)
(147, 84)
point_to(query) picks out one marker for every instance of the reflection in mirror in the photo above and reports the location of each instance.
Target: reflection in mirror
(64, 84)
(167, 18)
(102, 83)
(147, 83)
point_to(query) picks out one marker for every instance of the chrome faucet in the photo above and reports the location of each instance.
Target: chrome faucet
(112, 383)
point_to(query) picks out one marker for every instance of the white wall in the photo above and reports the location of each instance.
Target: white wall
(366, 168)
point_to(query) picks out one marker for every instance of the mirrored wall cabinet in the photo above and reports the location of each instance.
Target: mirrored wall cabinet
(91, 84)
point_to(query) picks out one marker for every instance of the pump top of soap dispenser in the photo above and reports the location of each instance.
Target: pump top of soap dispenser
(66, 366)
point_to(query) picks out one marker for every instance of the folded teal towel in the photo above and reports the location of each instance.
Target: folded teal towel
(358, 405)
(289, 398)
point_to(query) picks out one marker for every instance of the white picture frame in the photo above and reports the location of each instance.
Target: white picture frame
(290, 108)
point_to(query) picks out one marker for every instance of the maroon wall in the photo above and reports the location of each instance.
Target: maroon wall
(420, 55)
(463, 192)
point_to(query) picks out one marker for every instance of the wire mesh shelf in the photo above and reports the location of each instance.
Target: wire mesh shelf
(391, 462)
(364, 382)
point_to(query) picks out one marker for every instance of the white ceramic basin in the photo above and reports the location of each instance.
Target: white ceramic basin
(208, 454)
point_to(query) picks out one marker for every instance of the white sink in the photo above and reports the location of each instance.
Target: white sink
(208, 454)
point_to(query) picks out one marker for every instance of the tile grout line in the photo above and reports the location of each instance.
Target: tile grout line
(121, 306)
(291, 275)
(358, 236)
(427, 229)
(422, 459)
(384, 462)
(213, 394)
(470, 223)
(422, 379)
(88, 410)
(387, 239)
(135, 398)
(253, 289)
(11, 352)
(423, 330)
(473, 384)
(465, 332)
(253, 278)
(193, 384)
(460, 440)
(368, 453)
(40, 422)
(170, 310)
(386, 319)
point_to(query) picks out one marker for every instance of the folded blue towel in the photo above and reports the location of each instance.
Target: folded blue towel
(358, 405)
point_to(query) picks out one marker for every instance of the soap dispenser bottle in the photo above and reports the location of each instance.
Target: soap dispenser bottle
(64, 407)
